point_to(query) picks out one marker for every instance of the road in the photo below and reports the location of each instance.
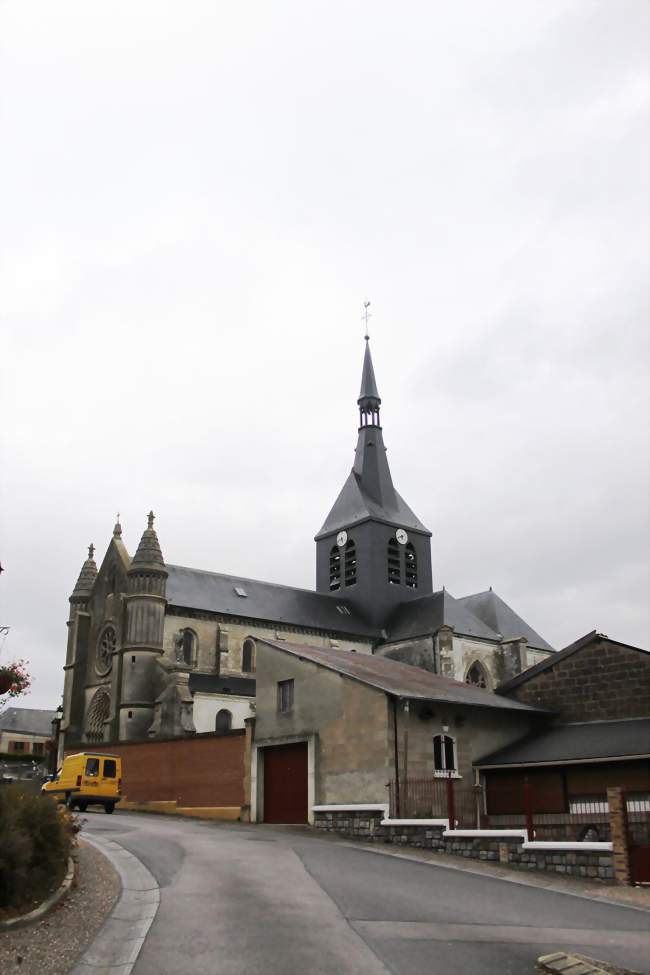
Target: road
(240, 899)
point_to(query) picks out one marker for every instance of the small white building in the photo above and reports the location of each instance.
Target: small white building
(25, 731)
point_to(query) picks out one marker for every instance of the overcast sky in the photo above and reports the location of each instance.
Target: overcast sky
(196, 198)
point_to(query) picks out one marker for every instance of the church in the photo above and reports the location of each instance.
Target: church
(158, 650)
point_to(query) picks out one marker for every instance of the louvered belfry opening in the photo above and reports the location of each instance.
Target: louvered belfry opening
(350, 563)
(335, 568)
(410, 566)
(394, 567)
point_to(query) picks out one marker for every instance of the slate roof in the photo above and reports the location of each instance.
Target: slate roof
(468, 616)
(581, 742)
(215, 593)
(584, 641)
(355, 504)
(216, 684)
(420, 617)
(399, 679)
(501, 619)
(28, 721)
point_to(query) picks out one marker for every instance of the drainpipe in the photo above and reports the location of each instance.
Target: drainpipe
(397, 802)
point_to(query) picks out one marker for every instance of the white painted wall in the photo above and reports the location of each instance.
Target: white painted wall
(206, 707)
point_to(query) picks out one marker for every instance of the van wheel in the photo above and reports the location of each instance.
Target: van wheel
(109, 807)
(69, 804)
(82, 806)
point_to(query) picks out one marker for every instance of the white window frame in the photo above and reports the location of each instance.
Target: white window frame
(445, 773)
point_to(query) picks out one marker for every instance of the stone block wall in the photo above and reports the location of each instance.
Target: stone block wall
(601, 681)
(366, 825)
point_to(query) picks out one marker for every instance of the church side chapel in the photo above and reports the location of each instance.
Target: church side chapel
(157, 650)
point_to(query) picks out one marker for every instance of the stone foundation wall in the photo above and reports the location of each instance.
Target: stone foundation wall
(367, 826)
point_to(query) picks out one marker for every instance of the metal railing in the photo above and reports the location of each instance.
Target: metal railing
(440, 797)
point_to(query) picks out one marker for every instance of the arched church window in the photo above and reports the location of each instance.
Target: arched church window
(350, 563)
(223, 722)
(98, 712)
(106, 646)
(335, 568)
(410, 566)
(394, 567)
(247, 656)
(476, 675)
(444, 755)
(186, 648)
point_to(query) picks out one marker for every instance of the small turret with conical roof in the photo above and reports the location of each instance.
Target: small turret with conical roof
(86, 580)
(145, 620)
(148, 554)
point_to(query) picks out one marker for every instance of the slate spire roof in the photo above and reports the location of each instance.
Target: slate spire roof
(368, 492)
(87, 576)
(369, 394)
(148, 554)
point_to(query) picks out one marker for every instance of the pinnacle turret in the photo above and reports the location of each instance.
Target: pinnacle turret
(148, 554)
(86, 579)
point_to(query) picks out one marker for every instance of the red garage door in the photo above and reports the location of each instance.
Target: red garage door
(285, 783)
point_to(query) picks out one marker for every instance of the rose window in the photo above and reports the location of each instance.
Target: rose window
(106, 646)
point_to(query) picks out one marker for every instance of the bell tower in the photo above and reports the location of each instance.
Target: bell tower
(372, 549)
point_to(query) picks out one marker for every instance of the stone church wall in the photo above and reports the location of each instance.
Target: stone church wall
(227, 637)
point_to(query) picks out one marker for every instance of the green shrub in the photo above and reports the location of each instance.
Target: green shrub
(36, 839)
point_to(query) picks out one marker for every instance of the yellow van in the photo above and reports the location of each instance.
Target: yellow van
(87, 779)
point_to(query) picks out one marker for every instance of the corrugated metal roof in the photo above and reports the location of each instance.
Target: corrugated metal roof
(629, 738)
(216, 593)
(398, 678)
(27, 721)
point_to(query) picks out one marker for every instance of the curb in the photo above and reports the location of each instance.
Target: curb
(560, 962)
(115, 949)
(47, 905)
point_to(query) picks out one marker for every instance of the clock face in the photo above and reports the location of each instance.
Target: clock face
(401, 536)
(341, 539)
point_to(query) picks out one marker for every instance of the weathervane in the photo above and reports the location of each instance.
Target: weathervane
(366, 315)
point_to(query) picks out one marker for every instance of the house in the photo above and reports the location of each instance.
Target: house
(598, 692)
(158, 650)
(25, 731)
(335, 727)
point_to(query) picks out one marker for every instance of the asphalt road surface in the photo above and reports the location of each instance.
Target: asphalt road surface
(261, 900)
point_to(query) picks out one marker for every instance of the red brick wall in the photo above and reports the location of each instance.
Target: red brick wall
(601, 681)
(205, 770)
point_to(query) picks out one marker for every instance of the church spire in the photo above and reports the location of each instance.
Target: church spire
(369, 398)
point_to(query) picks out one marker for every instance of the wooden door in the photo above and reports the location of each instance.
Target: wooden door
(285, 783)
